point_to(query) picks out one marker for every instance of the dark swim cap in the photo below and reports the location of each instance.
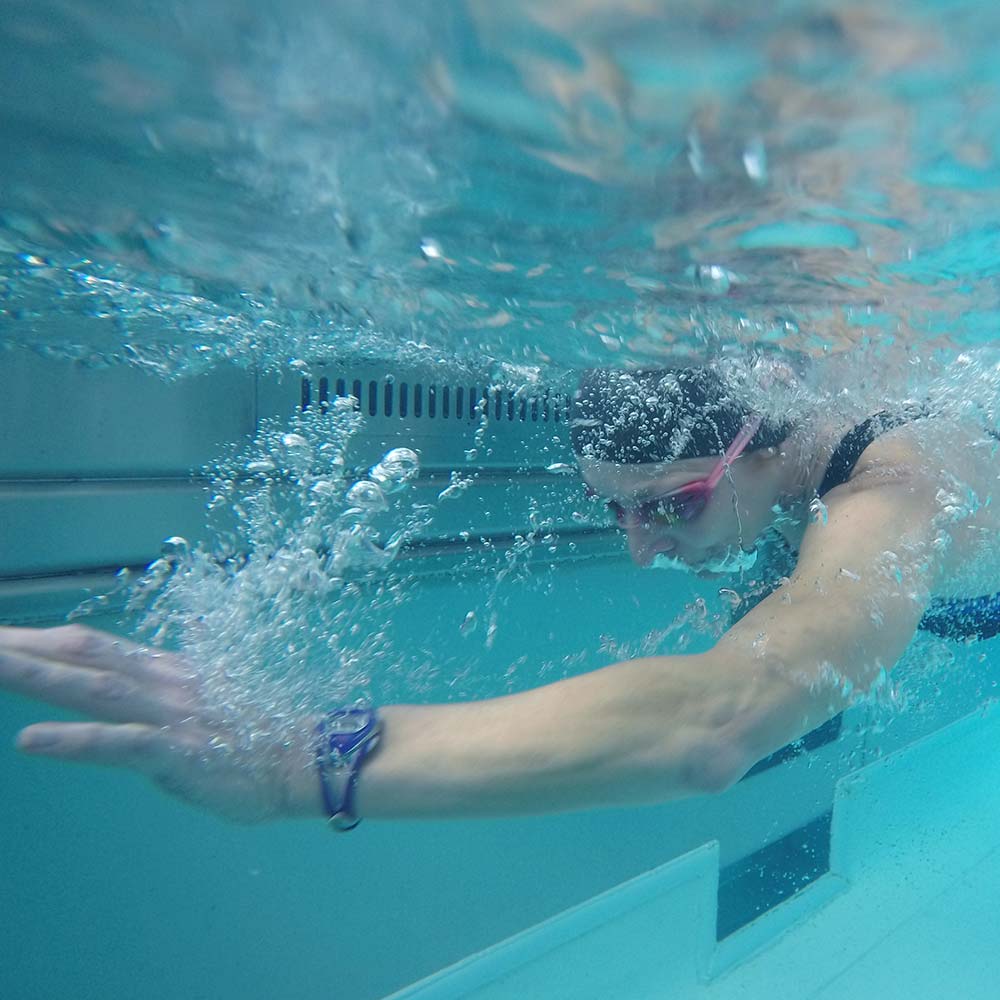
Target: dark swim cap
(661, 415)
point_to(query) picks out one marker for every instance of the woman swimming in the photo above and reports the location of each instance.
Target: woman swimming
(696, 478)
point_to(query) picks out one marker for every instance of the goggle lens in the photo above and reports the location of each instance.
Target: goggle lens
(684, 505)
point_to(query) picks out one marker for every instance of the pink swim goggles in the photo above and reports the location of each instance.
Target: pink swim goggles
(688, 501)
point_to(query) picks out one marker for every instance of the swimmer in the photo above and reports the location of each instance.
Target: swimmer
(878, 536)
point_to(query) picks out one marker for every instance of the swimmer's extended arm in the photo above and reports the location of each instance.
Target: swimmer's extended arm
(656, 729)
(662, 728)
(636, 732)
(632, 732)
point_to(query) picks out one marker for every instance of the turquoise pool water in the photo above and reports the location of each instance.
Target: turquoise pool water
(217, 218)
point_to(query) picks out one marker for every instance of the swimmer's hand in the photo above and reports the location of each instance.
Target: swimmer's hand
(152, 718)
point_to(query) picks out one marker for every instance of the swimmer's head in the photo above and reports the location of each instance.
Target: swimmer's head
(637, 417)
(642, 436)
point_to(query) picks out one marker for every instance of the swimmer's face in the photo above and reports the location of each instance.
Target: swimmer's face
(736, 512)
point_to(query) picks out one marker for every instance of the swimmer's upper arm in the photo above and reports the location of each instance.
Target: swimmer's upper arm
(850, 609)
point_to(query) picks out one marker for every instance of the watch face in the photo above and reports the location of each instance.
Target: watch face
(349, 721)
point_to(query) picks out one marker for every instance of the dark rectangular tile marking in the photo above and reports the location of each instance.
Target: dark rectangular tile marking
(758, 883)
(818, 737)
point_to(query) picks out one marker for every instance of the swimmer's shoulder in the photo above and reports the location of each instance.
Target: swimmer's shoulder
(957, 464)
(929, 451)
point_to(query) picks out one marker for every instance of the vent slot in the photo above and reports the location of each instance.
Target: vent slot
(441, 402)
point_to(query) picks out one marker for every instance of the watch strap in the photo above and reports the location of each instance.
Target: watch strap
(339, 756)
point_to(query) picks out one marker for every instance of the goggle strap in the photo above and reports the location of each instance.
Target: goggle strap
(734, 451)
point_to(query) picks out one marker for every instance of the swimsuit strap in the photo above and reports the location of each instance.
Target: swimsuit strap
(855, 441)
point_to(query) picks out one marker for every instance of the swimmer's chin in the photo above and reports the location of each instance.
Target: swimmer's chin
(735, 560)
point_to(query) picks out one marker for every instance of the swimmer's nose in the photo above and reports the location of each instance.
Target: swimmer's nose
(643, 544)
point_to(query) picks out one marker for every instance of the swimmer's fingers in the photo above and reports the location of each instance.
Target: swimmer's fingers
(88, 647)
(106, 695)
(144, 748)
(165, 728)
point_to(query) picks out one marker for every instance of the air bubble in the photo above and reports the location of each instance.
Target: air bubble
(456, 489)
(731, 597)
(713, 279)
(430, 249)
(367, 496)
(818, 513)
(297, 451)
(175, 547)
(157, 572)
(755, 160)
(354, 548)
(394, 472)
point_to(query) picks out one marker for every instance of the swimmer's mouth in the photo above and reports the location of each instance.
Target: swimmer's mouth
(733, 559)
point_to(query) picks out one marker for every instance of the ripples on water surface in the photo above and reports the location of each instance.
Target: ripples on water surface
(543, 184)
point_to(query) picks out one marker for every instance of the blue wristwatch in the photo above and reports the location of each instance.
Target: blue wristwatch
(345, 737)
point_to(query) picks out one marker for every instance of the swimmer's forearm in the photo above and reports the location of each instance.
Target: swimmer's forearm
(638, 732)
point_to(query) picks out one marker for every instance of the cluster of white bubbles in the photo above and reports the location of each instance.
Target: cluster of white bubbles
(284, 612)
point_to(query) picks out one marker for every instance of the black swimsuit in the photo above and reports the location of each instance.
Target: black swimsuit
(952, 617)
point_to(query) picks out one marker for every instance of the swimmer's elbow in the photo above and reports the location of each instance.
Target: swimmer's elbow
(687, 732)
(721, 765)
(735, 732)
(710, 764)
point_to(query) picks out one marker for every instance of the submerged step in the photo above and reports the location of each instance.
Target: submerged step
(910, 832)
(649, 937)
(905, 830)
